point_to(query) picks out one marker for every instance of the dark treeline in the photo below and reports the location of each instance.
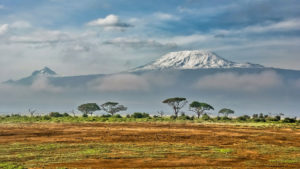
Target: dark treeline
(200, 110)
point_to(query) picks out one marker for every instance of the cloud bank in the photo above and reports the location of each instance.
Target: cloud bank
(236, 82)
(131, 82)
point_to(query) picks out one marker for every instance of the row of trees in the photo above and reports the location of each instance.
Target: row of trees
(177, 103)
(109, 107)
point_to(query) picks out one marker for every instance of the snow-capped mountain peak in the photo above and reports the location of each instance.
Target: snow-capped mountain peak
(44, 72)
(195, 59)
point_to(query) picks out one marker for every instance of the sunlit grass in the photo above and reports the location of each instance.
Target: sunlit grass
(43, 154)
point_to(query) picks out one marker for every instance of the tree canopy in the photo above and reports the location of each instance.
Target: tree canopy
(226, 111)
(176, 103)
(88, 108)
(199, 107)
(113, 107)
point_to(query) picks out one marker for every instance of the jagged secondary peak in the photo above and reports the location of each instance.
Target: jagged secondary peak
(45, 71)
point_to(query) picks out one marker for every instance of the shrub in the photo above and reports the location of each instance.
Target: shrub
(46, 117)
(117, 116)
(218, 118)
(15, 115)
(225, 118)
(184, 117)
(173, 117)
(289, 120)
(255, 116)
(243, 118)
(55, 114)
(156, 116)
(138, 115)
(66, 115)
(206, 117)
(106, 115)
(276, 118)
(259, 120)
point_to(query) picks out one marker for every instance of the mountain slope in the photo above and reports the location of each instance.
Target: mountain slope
(45, 72)
(195, 59)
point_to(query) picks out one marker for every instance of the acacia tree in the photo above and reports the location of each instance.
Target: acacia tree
(113, 107)
(31, 112)
(161, 113)
(88, 108)
(176, 103)
(226, 112)
(200, 108)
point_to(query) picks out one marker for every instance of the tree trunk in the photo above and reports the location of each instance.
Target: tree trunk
(175, 111)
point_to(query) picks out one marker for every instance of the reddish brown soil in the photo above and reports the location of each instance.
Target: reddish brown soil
(224, 136)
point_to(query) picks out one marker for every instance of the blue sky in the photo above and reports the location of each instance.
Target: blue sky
(104, 36)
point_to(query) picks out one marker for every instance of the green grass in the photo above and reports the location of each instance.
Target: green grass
(289, 160)
(43, 154)
(10, 166)
(278, 155)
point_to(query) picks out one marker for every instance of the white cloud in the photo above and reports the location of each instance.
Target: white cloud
(132, 82)
(165, 16)
(2, 6)
(42, 37)
(236, 82)
(120, 82)
(183, 40)
(207, 11)
(286, 25)
(282, 26)
(138, 43)
(3, 29)
(20, 24)
(41, 84)
(110, 22)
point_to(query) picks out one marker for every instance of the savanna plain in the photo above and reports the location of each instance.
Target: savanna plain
(149, 145)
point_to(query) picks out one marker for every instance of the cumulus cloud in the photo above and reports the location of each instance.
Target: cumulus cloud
(3, 29)
(245, 82)
(110, 22)
(138, 43)
(15, 25)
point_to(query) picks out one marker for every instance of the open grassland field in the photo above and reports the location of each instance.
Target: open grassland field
(148, 145)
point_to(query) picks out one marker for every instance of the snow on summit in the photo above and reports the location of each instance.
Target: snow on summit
(195, 59)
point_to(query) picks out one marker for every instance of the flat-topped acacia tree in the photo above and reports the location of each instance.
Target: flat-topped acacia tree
(113, 107)
(226, 112)
(176, 103)
(88, 108)
(200, 108)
